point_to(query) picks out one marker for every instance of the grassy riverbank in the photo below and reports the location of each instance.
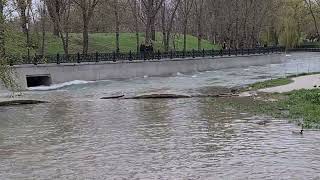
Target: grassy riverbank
(300, 106)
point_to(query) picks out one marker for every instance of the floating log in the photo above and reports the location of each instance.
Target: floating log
(20, 102)
(173, 96)
(160, 96)
(113, 97)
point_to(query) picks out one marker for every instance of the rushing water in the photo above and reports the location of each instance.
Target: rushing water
(79, 136)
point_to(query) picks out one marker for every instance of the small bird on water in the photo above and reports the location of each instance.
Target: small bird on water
(299, 132)
(263, 122)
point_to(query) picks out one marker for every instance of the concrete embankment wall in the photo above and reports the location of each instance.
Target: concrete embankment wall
(123, 70)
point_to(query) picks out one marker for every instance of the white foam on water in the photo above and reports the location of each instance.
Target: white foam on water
(288, 55)
(145, 76)
(59, 86)
(194, 76)
(179, 74)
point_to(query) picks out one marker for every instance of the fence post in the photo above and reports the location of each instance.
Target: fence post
(159, 55)
(78, 58)
(193, 53)
(97, 57)
(212, 51)
(130, 55)
(236, 51)
(58, 58)
(248, 51)
(221, 52)
(171, 55)
(229, 51)
(203, 53)
(242, 53)
(114, 56)
(10, 62)
(35, 59)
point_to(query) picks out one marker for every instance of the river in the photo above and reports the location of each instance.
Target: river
(79, 136)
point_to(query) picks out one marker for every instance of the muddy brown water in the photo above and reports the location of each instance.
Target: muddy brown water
(80, 136)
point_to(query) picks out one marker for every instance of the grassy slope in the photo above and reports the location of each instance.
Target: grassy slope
(300, 105)
(101, 42)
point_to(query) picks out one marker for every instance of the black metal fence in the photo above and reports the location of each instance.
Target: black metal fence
(304, 49)
(114, 57)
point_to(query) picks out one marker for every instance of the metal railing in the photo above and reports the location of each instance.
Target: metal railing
(300, 49)
(144, 56)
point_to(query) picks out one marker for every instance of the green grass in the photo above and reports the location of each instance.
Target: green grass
(301, 106)
(270, 83)
(98, 42)
(304, 104)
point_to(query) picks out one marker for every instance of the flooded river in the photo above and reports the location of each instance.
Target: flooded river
(79, 136)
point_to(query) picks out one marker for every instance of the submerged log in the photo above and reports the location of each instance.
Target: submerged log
(224, 95)
(113, 97)
(173, 96)
(20, 102)
(160, 96)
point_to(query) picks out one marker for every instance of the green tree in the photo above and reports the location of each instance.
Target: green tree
(6, 73)
(290, 23)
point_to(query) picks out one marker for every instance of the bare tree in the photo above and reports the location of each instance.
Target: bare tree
(22, 6)
(134, 7)
(151, 9)
(87, 7)
(167, 21)
(43, 19)
(186, 7)
(199, 5)
(115, 5)
(55, 7)
(310, 7)
(62, 20)
(2, 28)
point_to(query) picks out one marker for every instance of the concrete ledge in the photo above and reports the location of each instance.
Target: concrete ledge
(61, 73)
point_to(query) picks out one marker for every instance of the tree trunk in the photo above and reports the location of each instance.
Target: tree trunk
(199, 35)
(199, 24)
(135, 11)
(24, 20)
(2, 40)
(314, 18)
(85, 35)
(148, 31)
(164, 34)
(43, 24)
(153, 28)
(55, 29)
(185, 25)
(117, 23)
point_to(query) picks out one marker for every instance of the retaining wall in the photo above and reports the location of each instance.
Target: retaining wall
(124, 69)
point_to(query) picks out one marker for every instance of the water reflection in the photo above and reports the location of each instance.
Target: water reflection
(154, 117)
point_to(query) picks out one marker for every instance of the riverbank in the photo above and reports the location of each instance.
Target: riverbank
(297, 99)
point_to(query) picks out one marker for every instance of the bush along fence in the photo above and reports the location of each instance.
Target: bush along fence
(144, 56)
